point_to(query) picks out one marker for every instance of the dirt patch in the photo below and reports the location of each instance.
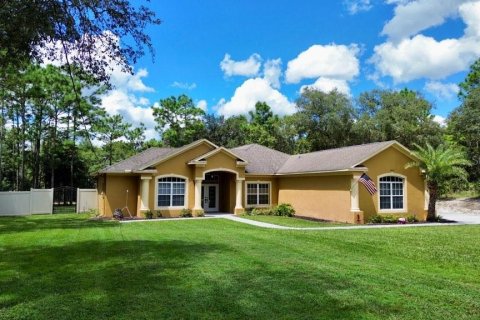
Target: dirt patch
(462, 205)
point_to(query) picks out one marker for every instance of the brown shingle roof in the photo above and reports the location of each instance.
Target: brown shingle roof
(332, 159)
(139, 161)
(261, 160)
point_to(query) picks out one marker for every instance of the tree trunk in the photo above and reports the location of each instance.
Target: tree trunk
(433, 190)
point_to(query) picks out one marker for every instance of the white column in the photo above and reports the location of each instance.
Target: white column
(144, 191)
(354, 198)
(238, 202)
(198, 194)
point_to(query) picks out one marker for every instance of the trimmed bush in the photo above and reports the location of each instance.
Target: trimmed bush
(200, 213)
(284, 209)
(149, 214)
(412, 218)
(186, 213)
(376, 219)
(261, 212)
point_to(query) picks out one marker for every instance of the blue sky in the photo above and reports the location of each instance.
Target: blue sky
(228, 54)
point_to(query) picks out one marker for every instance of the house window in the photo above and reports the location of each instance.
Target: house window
(258, 194)
(392, 193)
(171, 192)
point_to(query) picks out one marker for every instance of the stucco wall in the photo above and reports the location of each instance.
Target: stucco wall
(320, 197)
(393, 161)
(116, 193)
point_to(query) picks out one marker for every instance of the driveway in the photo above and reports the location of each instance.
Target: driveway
(466, 210)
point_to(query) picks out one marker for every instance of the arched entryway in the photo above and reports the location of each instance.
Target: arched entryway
(218, 191)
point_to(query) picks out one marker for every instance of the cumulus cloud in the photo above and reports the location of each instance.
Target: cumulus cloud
(440, 120)
(202, 104)
(251, 92)
(425, 57)
(415, 16)
(326, 85)
(356, 6)
(248, 68)
(184, 85)
(330, 61)
(443, 91)
(126, 98)
(272, 70)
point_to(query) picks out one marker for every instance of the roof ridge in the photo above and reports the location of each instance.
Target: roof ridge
(260, 145)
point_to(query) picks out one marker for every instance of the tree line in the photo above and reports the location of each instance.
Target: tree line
(54, 133)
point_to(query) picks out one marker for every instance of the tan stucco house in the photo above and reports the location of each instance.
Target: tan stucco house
(324, 184)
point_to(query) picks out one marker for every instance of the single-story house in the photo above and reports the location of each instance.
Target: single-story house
(202, 176)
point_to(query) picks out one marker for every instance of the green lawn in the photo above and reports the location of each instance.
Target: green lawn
(294, 222)
(66, 267)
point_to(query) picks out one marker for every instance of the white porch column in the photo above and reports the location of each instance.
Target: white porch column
(144, 191)
(198, 194)
(354, 198)
(238, 202)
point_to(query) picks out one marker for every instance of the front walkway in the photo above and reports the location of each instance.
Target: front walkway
(380, 226)
(266, 225)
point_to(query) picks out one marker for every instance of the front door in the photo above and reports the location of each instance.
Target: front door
(210, 197)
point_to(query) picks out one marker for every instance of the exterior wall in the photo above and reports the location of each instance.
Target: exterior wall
(319, 197)
(178, 166)
(115, 193)
(273, 188)
(393, 161)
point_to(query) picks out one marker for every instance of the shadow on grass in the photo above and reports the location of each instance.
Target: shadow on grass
(50, 222)
(141, 279)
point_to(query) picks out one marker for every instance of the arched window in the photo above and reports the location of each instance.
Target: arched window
(392, 193)
(171, 192)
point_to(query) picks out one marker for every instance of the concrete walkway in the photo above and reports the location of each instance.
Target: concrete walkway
(231, 217)
(380, 226)
(466, 218)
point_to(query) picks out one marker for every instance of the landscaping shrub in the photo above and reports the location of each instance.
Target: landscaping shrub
(376, 219)
(412, 218)
(157, 214)
(284, 209)
(261, 212)
(186, 213)
(149, 214)
(200, 213)
(390, 219)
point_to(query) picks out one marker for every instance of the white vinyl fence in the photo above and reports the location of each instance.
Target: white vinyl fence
(86, 200)
(22, 203)
(38, 201)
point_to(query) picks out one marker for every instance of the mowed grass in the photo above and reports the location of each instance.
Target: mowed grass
(294, 221)
(67, 267)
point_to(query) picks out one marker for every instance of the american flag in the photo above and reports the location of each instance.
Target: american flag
(368, 183)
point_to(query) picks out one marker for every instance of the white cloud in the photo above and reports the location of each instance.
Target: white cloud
(426, 57)
(326, 85)
(414, 16)
(184, 85)
(330, 61)
(443, 91)
(251, 92)
(356, 6)
(247, 68)
(440, 120)
(202, 104)
(272, 70)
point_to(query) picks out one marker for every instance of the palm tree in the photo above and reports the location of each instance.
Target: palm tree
(439, 165)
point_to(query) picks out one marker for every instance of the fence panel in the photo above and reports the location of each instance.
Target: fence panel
(41, 201)
(86, 200)
(14, 203)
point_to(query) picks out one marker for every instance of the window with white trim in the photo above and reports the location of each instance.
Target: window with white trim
(171, 192)
(392, 193)
(258, 194)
